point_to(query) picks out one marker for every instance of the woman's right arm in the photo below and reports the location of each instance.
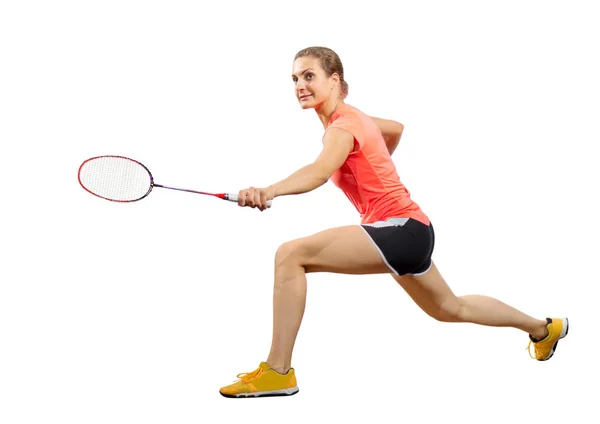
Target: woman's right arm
(391, 130)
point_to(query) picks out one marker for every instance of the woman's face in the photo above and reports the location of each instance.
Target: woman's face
(312, 86)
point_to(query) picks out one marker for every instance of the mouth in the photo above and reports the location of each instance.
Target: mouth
(304, 97)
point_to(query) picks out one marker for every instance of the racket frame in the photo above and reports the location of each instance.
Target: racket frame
(232, 197)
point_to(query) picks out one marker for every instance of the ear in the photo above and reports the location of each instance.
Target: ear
(335, 79)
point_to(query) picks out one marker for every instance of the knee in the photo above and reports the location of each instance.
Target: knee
(289, 254)
(449, 310)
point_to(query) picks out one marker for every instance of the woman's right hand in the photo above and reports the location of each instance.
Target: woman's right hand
(256, 197)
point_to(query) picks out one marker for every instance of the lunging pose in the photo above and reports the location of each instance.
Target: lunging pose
(394, 236)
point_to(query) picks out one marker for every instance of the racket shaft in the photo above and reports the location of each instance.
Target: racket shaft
(232, 197)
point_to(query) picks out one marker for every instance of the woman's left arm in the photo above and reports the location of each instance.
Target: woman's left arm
(337, 145)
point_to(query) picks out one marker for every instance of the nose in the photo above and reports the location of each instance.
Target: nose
(300, 85)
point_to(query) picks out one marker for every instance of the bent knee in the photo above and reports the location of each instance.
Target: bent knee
(289, 253)
(449, 310)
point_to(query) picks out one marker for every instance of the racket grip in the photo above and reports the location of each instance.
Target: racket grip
(233, 197)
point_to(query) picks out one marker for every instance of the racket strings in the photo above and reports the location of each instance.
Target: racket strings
(116, 178)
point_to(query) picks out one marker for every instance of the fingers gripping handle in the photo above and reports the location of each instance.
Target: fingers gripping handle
(233, 197)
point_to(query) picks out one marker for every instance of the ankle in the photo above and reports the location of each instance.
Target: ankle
(541, 332)
(279, 368)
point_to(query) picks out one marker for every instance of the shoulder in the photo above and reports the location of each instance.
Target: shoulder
(346, 117)
(348, 120)
(346, 111)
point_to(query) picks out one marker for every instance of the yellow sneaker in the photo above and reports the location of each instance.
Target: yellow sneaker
(264, 381)
(558, 328)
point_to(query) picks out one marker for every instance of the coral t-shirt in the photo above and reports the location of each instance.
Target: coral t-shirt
(368, 177)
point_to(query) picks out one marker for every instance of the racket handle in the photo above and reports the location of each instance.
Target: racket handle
(233, 197)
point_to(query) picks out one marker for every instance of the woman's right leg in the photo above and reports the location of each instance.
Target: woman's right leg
(433, 295)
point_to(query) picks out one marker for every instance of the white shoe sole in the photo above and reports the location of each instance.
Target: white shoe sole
(284, 392)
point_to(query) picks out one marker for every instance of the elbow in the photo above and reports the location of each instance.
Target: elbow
(317, 181)
(321, 173)
(399, 128)
(322, 178)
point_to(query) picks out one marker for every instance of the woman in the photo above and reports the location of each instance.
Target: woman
(395, 236)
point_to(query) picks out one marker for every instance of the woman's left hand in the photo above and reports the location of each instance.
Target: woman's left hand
(256, 197)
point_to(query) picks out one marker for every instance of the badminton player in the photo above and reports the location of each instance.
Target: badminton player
(395, 236)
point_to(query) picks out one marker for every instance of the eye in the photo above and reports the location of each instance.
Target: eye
(294, 79)
(309, 76)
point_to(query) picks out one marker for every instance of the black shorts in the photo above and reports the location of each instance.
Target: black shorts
(405, 244)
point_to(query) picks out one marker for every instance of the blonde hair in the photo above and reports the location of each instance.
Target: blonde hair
(330, 62)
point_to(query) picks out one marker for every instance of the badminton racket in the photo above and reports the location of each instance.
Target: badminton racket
(121, 179)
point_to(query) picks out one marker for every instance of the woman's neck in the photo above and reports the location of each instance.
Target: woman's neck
(325, 112)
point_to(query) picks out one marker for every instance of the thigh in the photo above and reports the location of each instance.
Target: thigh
(429, 291)
(344, 250)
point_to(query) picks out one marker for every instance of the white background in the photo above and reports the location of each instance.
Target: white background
(139, 313)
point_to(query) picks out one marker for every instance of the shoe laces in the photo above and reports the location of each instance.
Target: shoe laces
(529, 348)
(535, 347)
(247, 377)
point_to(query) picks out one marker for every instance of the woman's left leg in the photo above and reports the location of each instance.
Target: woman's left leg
(343, 250)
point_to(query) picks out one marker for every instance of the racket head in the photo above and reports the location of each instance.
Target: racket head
(115, 178)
